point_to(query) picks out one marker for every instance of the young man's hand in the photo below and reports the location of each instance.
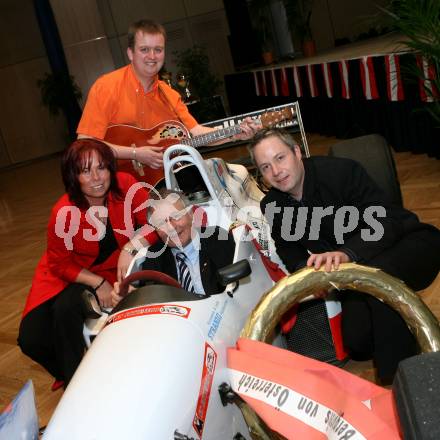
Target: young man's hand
(330, 260)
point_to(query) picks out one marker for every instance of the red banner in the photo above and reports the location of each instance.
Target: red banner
(301, 398)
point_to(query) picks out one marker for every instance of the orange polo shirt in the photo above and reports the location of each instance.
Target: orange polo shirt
(118, 98)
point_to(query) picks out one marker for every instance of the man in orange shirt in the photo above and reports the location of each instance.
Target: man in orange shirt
(133, 95)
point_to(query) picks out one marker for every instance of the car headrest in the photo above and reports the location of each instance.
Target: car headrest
(233, 272)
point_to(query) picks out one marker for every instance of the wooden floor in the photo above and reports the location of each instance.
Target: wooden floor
(26, 196)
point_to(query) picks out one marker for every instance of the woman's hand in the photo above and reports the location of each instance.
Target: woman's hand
(124, 262)
(330, 260)
(115, 293)
(104, 295)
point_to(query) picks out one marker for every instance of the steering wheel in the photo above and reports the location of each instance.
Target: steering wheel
(147, 275)
(303, 283)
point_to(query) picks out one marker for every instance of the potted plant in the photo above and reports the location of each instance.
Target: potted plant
(194, 64)
(419, 22)
(195, 80)
(59, 92)
(299, 14)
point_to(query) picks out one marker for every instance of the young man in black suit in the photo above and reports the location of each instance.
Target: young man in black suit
(325, 211)
(186, 251)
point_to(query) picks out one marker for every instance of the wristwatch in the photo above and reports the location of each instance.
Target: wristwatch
(130, 250)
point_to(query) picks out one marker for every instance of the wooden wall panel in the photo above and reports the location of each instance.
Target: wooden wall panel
(26, 126)
(343, 18)
(198, 7)
(118, 49)
(84, 41)
(211, 30)
(107, 18)
(321, 26)
(20, 38)
(178, 38)
(117, 15)
(4, 154)
(78, 21)
(27, 131)
(352, 18)
(125, 12)
(87, 61)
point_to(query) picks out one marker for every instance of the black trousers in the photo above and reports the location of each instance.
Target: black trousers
(370, 328)
(52, 333)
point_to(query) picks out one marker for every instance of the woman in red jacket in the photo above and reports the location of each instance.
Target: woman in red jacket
(88, 228)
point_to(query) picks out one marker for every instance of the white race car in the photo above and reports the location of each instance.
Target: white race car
(154, 369)
(158, 364)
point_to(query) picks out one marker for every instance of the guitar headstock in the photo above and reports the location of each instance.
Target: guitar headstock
(270, 119)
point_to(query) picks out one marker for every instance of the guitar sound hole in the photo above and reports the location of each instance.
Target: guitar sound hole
(171, 132)
(174, 132)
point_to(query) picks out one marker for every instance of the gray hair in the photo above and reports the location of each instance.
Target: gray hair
(162, 194)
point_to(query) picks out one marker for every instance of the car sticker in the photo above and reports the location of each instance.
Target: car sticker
(155, 309)
(209, 363)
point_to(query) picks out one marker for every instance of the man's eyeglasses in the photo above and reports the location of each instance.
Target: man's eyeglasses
(159, 223)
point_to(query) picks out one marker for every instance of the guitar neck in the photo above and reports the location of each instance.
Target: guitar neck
(213, 136)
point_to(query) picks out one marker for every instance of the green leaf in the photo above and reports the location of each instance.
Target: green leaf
(57, 89)
(419, 22)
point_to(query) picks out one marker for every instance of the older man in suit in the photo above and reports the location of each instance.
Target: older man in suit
(186, 251)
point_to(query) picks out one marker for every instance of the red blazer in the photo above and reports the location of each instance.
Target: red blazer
(69, 248)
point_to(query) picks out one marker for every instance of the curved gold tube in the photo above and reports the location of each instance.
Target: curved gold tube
(300, 285)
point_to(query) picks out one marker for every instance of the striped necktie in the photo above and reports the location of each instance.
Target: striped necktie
(184, 273)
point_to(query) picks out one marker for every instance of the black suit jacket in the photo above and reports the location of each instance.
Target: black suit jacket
(214, 254)
(335, 182)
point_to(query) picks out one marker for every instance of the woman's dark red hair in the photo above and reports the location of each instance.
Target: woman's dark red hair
(77, 157)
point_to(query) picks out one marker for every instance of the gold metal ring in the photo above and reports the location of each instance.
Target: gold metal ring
(261, 323)
(302, 284)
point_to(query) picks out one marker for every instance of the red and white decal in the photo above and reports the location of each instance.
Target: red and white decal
(428, 91)
(284, 82)
(345, 86)
(368, 78)
(394, 78)
(209, 363)
(297, 82)
(328, 80)
(312, 80)
(154, 309)
(274, 83)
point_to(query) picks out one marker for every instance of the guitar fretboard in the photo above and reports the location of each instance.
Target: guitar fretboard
(209, 138)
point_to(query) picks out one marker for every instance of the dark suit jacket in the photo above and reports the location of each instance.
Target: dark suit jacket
(214, 254)
(336, 182)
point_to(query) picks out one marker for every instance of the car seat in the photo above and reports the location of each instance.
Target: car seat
(374, 154)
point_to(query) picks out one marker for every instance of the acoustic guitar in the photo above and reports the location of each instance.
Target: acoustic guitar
(170, 133)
